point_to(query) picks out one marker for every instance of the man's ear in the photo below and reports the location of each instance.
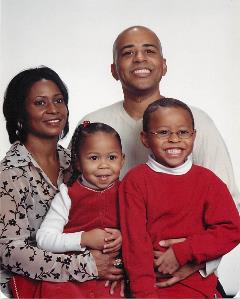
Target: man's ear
(114, 71)
(164, 67)
(144, 139)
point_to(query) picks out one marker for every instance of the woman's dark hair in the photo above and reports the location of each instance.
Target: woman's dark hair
(14, 108)
(165, 102)
(79, 136)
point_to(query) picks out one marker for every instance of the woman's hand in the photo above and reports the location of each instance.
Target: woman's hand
(113, 241)
(105, 265)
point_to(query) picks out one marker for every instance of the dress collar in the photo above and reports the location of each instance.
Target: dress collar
(157, 167)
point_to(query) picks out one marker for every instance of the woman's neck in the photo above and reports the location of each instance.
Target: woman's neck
(44, 152)
(41, 148)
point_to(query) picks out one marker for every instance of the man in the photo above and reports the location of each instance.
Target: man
(139, 65)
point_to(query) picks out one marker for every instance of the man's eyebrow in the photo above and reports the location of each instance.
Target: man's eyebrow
(144, 45)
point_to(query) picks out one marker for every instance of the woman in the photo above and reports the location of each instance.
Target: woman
(36, 111)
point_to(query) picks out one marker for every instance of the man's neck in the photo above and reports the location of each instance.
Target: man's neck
(136, 105)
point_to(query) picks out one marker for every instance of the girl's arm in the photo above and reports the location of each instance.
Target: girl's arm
(50, 235)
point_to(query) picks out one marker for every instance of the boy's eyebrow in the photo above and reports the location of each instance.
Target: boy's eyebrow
(144, 45)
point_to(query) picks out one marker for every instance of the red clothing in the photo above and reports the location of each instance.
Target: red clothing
(156, 206)
(89, 209)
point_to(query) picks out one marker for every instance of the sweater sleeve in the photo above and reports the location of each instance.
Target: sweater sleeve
(211, 152)
(222, 228)
(136, 246)
(50, 236)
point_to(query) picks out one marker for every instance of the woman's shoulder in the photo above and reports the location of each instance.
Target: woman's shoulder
(17, 156)
(64, 156)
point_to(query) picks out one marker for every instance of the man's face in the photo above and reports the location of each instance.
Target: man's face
(138, 64)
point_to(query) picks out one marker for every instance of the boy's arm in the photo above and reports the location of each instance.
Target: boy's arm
(222, 232)
(50, 236)
(137, 258)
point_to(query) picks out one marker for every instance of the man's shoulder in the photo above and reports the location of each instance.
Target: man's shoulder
(101, 114)
(199, 114)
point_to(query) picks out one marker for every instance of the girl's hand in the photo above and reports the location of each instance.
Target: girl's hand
(113, 241)
(94, 239)
(113, 285)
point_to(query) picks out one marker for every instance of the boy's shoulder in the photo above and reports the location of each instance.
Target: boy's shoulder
(205, 173)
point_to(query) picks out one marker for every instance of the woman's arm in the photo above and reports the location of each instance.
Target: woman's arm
(18, 251)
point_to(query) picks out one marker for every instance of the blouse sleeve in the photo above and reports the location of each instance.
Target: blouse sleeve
(18, 249)
(50, 236)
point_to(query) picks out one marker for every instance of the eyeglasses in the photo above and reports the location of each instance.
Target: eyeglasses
(182, 134)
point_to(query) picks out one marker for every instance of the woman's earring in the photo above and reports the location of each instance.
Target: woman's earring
(19, 125)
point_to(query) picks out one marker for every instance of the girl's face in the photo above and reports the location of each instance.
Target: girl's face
(170, 151)
(46, 110)
(101, 159)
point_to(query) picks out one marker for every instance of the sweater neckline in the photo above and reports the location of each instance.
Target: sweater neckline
(180, 170)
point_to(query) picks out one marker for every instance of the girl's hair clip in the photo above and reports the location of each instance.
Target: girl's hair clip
(86, 123)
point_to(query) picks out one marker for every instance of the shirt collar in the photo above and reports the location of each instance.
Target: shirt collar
(19, 156)
(157, 167)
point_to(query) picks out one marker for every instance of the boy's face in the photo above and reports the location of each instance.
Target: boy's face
(101, 159)
(170, 151)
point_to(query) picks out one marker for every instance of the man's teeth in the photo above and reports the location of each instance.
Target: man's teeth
(142, 71)
(174, 151)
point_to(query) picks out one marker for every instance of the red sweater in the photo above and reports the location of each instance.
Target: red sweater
(157, 206)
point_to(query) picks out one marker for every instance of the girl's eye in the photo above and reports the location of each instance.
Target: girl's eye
(94, 158)
(112, 157)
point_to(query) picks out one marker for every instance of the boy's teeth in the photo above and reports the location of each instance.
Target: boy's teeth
(174, 151)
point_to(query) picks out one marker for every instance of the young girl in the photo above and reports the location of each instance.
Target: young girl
(84, 214)
(170, 197)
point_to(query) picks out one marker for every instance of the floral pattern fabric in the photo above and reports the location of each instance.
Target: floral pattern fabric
(25, 197)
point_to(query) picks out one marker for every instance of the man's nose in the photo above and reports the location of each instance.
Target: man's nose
(139, 56)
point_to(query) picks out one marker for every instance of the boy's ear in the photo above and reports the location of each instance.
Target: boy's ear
(123, 159)
(114, 71)
(144, 139)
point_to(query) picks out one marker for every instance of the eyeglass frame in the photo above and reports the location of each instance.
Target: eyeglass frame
(157, 134)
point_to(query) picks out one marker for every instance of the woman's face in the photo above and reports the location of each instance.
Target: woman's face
(46, 110)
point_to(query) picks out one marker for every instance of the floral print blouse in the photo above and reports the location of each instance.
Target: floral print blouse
(25, 196)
